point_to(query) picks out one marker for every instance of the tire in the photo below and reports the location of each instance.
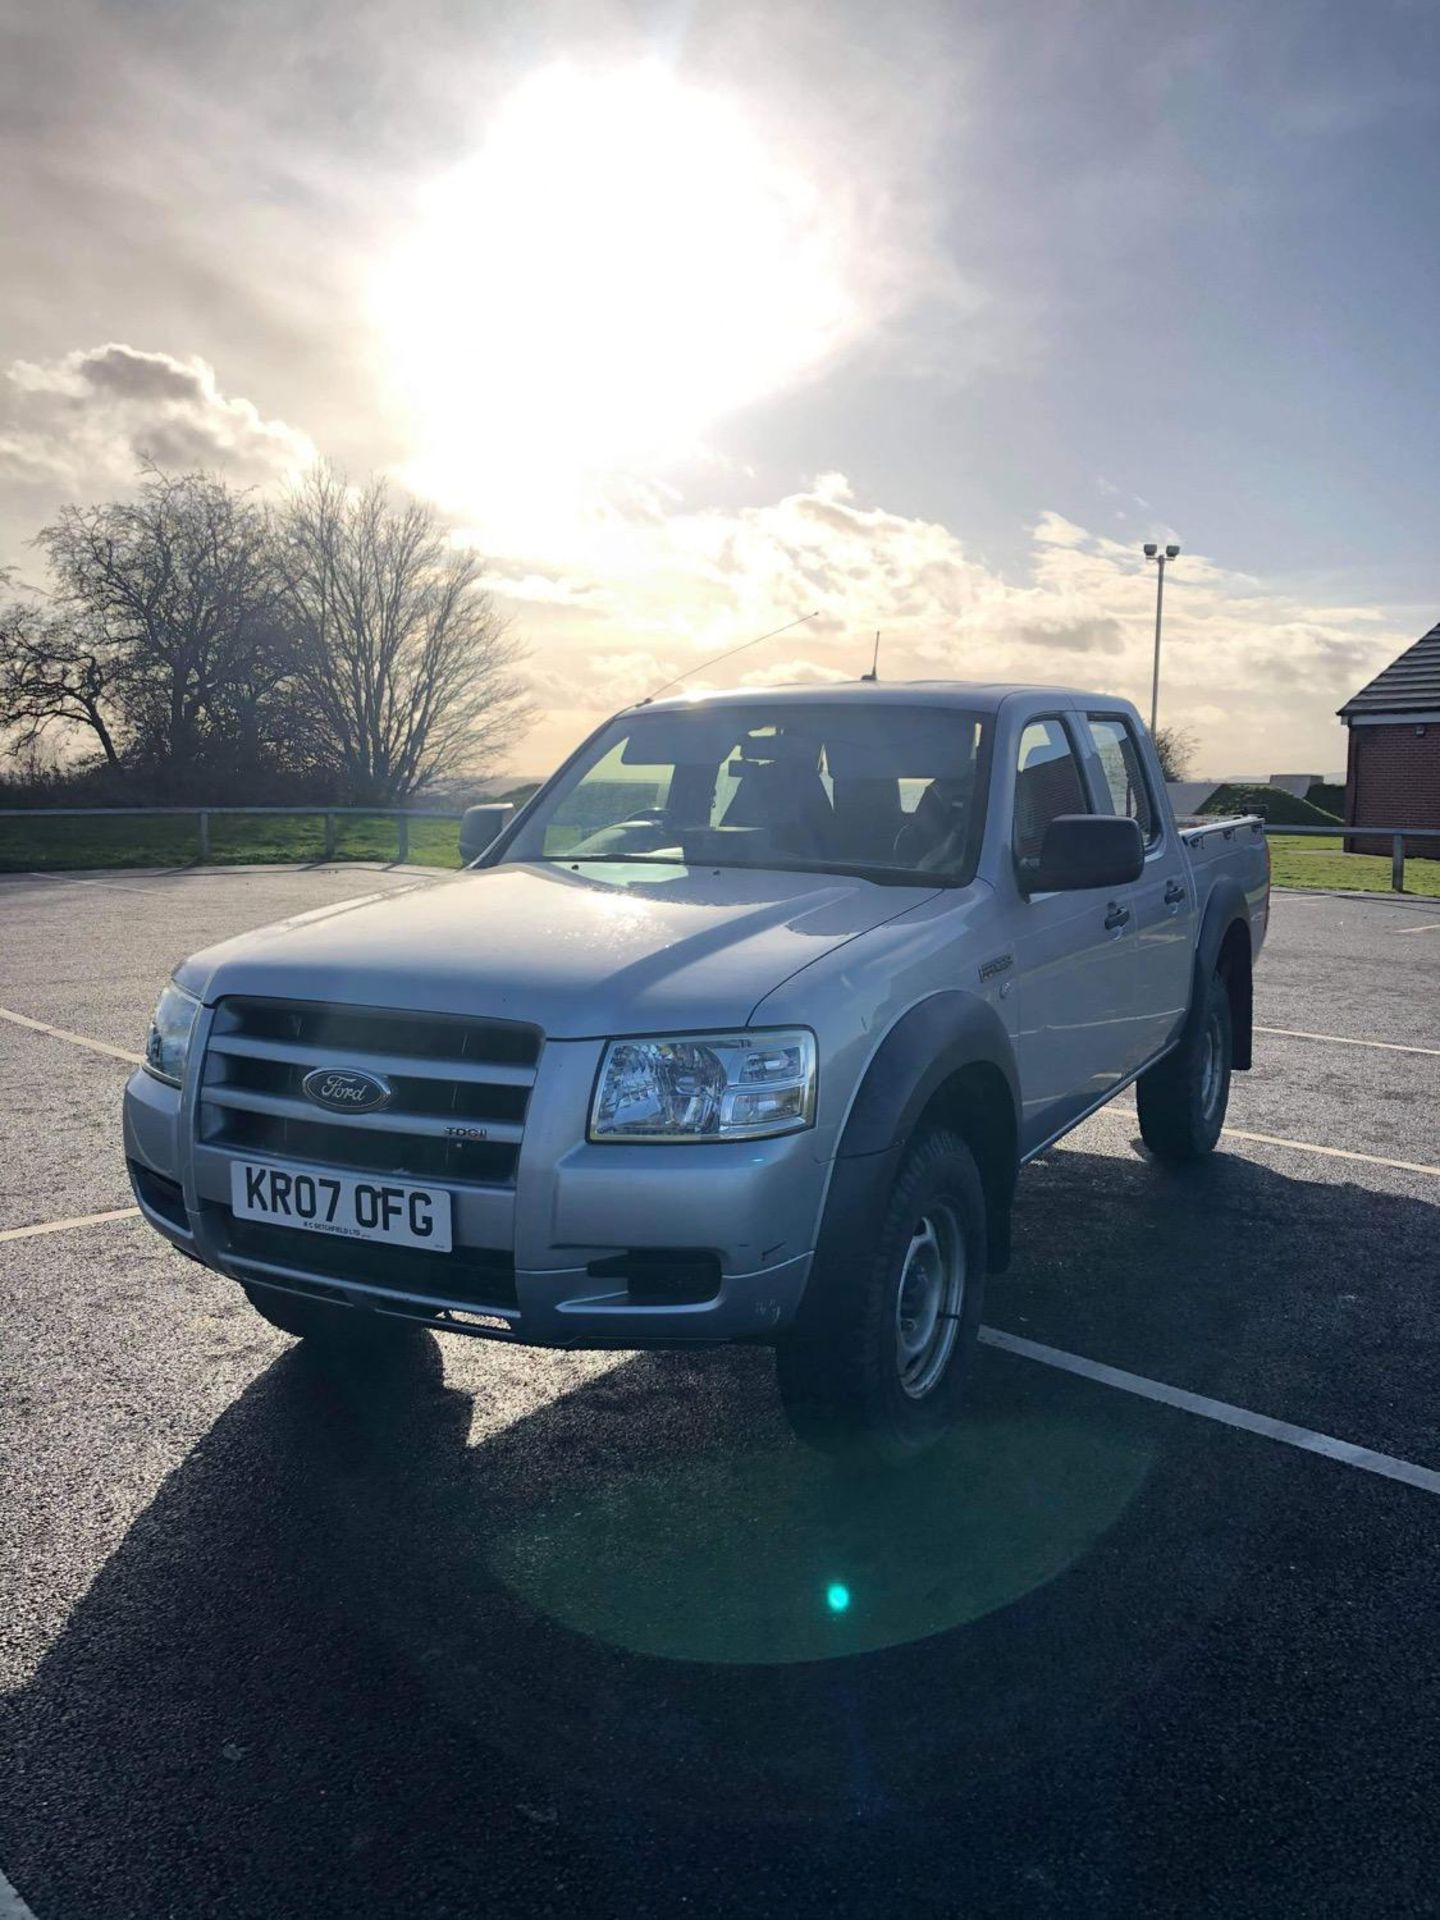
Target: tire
(1183, 1098)
(864, 1377)
(327, 1326)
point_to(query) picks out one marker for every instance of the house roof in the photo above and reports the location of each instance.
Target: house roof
(1406, 685)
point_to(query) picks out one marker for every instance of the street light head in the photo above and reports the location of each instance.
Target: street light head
(1150, 549)
(1172, 553)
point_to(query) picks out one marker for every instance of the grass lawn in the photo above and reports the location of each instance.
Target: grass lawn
(174, 840)
(1299, 861)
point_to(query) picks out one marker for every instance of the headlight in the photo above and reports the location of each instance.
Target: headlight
(734, 1086)
(169, 1037)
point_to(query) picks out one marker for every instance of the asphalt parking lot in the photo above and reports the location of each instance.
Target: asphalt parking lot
(484, 1629)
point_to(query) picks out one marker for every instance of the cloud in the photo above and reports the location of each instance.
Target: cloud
(87, 421)
(1054, 530)
(1257, 669)
(624, 677)
(539, 589)
(861, 568)
(794, 673)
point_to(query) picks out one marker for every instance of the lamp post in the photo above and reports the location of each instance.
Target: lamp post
(1152, 552)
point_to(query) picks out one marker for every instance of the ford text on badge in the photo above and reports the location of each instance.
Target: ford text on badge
(347, 1090)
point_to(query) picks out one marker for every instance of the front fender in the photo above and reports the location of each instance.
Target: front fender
(924, 1048)
(937, 1040)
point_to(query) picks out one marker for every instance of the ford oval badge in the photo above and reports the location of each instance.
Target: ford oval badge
(347, 1090)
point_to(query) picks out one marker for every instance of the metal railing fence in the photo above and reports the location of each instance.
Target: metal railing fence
(1397, 836)
(204, 815)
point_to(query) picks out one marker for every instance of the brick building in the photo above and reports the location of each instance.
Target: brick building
(1392, 776)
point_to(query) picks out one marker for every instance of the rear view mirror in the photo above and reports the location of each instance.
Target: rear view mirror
(1083, 850)
(480, 828)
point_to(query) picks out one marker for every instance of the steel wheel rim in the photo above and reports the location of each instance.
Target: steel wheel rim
(928, 1301)
(1211, 1067)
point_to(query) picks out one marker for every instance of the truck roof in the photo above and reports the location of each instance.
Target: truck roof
(978, 696)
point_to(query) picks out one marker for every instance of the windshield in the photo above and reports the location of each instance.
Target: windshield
(886, 791)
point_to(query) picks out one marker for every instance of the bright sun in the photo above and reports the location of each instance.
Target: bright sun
(622, 262)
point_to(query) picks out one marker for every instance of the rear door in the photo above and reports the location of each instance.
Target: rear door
(1161, 898)
(1074, 952)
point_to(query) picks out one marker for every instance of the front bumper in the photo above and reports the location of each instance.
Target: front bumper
(575, 1211)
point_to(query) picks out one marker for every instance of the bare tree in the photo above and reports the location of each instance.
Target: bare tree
(407, 669)
(1175, 749)
(176, 593)
(54, 673)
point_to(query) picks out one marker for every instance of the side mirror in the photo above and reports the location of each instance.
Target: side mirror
(480, 828)
(1083, 850)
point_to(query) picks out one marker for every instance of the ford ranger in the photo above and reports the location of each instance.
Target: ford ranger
(740, 1030)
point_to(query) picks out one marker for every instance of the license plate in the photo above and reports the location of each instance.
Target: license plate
(344, 1203)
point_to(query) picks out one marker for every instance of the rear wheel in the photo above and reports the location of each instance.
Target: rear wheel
(325, 1325)
(1182, 1100)
(880, 1368)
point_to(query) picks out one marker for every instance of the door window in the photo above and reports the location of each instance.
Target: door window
(1047, 784)
(1123, 767)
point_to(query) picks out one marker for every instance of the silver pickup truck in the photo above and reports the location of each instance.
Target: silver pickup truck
(740, 1030)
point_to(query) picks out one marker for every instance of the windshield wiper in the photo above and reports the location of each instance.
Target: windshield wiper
(882, 876)
(617, 859)
(849, 869)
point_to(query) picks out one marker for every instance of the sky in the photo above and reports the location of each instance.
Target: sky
(699, 319)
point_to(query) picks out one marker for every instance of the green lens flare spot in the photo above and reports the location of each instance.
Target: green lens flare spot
(659, 1557)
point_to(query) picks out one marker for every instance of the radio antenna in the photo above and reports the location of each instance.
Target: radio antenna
(726, 656)
(874, 673)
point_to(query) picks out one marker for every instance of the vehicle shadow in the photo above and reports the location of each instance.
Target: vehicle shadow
(638, 1645)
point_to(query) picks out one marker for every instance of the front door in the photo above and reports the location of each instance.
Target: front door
(1074, 954)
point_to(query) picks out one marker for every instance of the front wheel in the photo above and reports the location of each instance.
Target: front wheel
(878, 1367)
(1182, 1099)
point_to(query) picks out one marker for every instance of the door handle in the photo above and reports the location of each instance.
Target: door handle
(1174, 894)
(1116, 918)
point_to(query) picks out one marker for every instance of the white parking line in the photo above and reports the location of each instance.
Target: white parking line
(12, 1907)
(1344, 1040)
(75, 1039)
(1432, 926)
(1354, 897)
(1274, 1140)
(76, 1220)
(1335, 1153)
(1343, 1451)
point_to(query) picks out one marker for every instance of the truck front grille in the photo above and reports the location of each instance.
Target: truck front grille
(460, 1088)
(337, 1143)
(365, 1030)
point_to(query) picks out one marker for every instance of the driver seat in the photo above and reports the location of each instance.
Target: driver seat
(936, 825)
(788, 802)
